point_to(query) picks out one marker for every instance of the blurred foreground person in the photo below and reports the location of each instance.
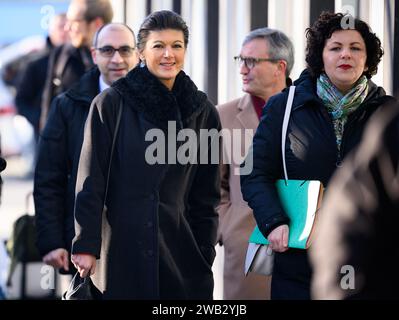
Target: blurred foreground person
(355, 255)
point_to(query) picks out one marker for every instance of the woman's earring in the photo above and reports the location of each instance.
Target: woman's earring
(142, 63)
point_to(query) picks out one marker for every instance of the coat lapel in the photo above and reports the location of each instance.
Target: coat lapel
(246, 113)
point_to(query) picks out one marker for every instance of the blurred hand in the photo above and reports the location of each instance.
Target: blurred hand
(84, 263)
(57, 258)
(278, 238)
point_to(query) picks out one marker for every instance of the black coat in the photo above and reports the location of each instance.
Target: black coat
(311, 153)
(162, 217)
(30, 90)
(58, 157)
(31, 85)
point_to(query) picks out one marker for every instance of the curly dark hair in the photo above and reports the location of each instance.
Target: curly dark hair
(322, 30)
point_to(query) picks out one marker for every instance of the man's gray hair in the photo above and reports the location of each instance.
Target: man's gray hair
(280, 46)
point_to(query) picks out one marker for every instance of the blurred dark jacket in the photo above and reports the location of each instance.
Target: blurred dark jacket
(360, 219)
(66, 65)
(31, 85)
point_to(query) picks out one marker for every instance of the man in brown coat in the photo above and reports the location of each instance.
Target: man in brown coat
(265, 62)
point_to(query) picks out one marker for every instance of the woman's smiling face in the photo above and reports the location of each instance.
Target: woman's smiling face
(164, 54)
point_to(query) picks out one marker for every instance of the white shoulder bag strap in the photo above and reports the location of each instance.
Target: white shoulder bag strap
(287, 114)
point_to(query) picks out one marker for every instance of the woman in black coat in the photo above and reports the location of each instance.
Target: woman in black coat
(158, 236)
(333, 101)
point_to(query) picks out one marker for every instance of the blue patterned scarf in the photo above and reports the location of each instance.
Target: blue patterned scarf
(340, 106)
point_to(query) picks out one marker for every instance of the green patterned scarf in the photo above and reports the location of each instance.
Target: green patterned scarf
(340, 106)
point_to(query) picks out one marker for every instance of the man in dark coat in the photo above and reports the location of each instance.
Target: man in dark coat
(69, 62)
(61, 140)
(30, 89)
(356, 253)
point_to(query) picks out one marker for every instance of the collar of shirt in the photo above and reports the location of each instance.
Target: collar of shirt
(102, 84)
(258, 104)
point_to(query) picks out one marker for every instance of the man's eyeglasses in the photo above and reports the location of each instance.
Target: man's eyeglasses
(109, 51)
(252, 62)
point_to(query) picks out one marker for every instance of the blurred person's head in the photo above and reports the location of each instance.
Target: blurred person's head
(344, 51)
(162, 42)
(84, 18)
(114, 51)
(56, 32)
(266, 60)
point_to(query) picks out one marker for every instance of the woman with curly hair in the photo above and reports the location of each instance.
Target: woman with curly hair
(333, 101)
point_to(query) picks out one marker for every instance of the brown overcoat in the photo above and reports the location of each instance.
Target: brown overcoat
(236, 221)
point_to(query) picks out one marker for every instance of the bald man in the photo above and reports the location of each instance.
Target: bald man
(114, 54)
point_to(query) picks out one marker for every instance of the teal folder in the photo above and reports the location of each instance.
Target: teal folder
(301, 200)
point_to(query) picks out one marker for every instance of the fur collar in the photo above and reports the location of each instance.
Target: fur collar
(143, 92)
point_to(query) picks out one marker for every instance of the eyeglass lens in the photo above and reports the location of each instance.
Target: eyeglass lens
(248, 62)
(109, 51)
